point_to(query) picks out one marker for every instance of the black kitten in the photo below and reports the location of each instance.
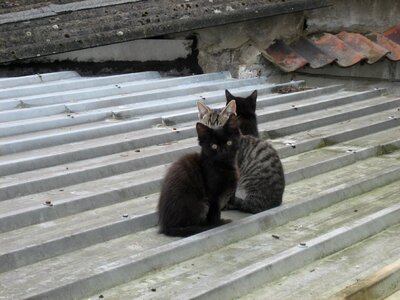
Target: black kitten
(198, 185)
(262, 181)
(246, 112)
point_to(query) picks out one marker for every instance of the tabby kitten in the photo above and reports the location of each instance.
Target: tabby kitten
(198, 185)
(246, 110)
(262, 181)
(217, 116)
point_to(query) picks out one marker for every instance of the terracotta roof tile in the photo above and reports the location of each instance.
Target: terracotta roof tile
(285, 57)
(386, 43)
(344, 48)
(314, 55)
(393, 33)
(335, 47)
(363, 45)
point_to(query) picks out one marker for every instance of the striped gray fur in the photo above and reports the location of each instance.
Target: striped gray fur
(261, 180)
(214, 117)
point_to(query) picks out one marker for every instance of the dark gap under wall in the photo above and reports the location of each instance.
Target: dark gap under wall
(178, 67)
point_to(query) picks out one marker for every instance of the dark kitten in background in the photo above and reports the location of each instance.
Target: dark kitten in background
(198, 185)
(262, 181)
(246, 112)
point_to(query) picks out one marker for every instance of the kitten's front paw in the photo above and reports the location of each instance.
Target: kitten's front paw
(225, 221)
(234, 204)
(231, 203)
(229, 206)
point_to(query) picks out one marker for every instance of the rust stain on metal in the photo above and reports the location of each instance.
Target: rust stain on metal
(335, 47)
(363, 45)
(282, 55)
(311, 53)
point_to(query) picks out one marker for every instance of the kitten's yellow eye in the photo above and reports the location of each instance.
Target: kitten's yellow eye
(229, 143)
(214, 146)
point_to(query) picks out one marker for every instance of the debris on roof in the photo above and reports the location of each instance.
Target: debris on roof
(343, 48)
(81, 163)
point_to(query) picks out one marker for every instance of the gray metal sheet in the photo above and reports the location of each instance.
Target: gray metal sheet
(100, 168)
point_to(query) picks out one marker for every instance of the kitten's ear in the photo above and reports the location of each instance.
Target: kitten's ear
(231, 125)
(228, 96)
(202, 131)
(253, 98)
(230, 109)
(203, 109)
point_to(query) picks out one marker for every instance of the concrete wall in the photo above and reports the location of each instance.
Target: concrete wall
(171, 57)
(355, 15)
(138, 50)
(235, 47)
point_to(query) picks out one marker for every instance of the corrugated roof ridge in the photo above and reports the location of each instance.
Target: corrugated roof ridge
(97, 197)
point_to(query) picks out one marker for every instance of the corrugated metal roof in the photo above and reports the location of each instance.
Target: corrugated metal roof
(343, 48)
(29, 30)
(81, 164)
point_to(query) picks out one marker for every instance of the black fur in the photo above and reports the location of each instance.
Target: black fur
(198, 185)
(246, 112)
